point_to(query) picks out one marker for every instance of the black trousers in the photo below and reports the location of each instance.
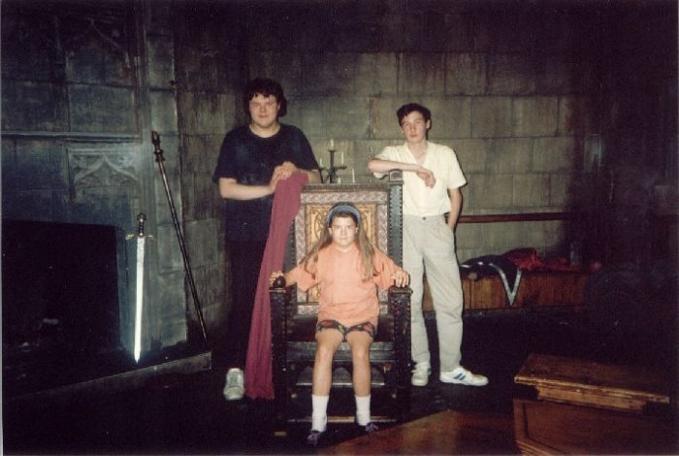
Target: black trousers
(246, 259)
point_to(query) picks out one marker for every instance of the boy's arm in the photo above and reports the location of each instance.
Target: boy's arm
(455, 207)
(314, 175)
(288, 168)
(380, 167)
(229, 188)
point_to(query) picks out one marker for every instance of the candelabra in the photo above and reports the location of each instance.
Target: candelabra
(331, 171)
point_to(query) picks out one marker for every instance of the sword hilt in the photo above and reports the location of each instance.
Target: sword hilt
(155, 139)
(141, 220)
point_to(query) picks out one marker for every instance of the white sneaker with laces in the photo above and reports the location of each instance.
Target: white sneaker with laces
(420, 374)
(234, 389)
(462, 376)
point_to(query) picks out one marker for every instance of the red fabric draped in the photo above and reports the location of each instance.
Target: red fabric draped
(258, 375)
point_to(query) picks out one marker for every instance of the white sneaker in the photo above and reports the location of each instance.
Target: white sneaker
(420, 374)
(462, 376)
(234, 389)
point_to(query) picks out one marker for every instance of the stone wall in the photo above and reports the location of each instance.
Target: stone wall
(539, 100)
(510, 89)
(71, 149)
(208, 79)
(514, 88)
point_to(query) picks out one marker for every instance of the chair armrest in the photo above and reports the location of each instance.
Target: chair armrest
(278, 283)
(399, 299)
(279, 299)
(399, 308)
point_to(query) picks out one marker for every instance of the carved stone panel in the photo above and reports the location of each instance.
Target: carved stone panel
(111, 167)
(96, 41)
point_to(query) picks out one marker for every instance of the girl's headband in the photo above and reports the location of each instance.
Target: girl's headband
(343, 207)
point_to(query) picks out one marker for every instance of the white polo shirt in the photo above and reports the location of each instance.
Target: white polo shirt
(418, 199)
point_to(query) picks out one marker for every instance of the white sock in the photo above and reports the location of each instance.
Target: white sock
(319, 414)
(363, 410)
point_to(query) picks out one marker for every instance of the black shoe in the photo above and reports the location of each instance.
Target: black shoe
(313, 438)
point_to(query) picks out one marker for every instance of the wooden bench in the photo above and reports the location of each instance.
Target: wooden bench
(536, 290)
(585, 407)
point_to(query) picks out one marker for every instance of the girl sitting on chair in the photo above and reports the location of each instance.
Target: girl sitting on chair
(347, 269)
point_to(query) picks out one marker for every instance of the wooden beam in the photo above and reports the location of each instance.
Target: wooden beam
(524, 217)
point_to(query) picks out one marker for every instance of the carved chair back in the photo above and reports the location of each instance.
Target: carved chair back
(294, 311)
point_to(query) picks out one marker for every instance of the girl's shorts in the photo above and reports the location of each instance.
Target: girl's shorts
(366, 327)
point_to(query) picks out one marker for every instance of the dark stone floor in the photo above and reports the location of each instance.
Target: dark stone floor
(188, 415)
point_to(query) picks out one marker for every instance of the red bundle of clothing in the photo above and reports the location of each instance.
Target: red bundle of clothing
(527, 259)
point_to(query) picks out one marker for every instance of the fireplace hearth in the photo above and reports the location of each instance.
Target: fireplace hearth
(61, 304)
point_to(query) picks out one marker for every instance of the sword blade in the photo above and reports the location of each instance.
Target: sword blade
(139, 298)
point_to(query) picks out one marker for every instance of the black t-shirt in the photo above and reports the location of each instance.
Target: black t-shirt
(251, 159)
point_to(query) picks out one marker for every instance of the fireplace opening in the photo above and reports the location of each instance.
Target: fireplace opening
(60, 304)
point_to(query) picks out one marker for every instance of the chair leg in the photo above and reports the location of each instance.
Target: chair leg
(399, 307)
(279, 299)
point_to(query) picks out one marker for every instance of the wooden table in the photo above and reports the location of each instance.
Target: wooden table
(589, 407)
(448, 432)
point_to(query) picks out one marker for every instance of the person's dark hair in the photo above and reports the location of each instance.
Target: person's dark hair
(265, 87)
(406, 109)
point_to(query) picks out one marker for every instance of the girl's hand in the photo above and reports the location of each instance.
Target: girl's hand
(274, 276)
(400, 278)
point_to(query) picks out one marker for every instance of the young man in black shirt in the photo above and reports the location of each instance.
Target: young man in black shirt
(252, 160)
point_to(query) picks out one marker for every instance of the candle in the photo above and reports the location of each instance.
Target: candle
(332, 144)
(353, 176)
(321, 162)
(339, 180)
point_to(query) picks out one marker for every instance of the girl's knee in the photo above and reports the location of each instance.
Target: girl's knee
(325, 351)
(360, 353)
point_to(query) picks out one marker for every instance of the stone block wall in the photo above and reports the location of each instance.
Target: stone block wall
(206, 83)
(518, 89)
(70, 125)
(514, 101)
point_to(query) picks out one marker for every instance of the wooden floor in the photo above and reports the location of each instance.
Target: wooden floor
(189, 415)
(448, 432)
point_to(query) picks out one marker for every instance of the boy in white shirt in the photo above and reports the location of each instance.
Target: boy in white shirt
(431, 188)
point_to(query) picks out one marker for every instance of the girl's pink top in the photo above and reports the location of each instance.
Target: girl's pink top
(344, 295)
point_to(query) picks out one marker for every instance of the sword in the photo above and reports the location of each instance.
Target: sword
(155, 139)
(140, 236)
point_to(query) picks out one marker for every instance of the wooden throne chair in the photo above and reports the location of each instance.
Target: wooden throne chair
(293, 314)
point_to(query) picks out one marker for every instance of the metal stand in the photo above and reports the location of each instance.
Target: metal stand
(155, 139)
(331, 172)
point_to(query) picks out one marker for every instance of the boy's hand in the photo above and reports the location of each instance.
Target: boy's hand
(284, 170)
(427, 176)
(281, 172)
(274, 276)
(400, 278)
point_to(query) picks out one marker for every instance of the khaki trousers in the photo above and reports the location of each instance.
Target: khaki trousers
(429, 247)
